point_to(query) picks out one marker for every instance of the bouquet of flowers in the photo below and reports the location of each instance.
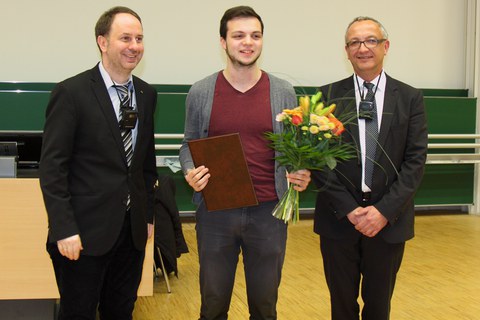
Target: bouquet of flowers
(311, 139)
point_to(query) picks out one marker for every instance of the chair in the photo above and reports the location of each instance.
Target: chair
(169, 241)
(164, 272)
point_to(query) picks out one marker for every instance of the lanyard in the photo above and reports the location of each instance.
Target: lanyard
(362, 91)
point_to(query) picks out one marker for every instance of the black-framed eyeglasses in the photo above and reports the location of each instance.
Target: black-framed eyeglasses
(369, 43)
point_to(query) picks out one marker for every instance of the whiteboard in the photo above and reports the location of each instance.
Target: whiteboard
(50, 40)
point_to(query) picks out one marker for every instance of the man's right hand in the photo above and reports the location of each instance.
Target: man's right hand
(355, 215)
(197, 178)
(70, 247)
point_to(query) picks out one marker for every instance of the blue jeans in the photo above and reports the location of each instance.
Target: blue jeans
(261, 238)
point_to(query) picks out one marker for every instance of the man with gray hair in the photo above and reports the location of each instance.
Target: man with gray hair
(365, 211)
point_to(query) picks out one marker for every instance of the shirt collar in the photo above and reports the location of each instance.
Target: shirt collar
(107, 79)
(381, 84)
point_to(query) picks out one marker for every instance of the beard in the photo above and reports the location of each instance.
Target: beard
(239, 63)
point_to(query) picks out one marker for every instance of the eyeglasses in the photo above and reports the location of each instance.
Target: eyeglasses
(369, 43)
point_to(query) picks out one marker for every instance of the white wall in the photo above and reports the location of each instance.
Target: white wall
(49, 40)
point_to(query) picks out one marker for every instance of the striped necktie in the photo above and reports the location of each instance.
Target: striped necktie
(125, 97)
(371, 136)
(126, 134)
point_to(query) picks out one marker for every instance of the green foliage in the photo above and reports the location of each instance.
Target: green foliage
(306, 151)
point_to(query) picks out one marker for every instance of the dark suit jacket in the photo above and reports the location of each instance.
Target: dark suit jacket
(84, 175)
(400, 158)
(168, 227)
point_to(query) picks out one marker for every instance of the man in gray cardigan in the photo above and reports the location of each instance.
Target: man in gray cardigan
(242, 98)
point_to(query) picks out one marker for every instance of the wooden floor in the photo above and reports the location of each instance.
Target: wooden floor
(439, 278)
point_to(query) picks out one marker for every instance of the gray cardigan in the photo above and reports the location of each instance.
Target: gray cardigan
(199, 107)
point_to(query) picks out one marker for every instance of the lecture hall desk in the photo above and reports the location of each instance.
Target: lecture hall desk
(26, 271)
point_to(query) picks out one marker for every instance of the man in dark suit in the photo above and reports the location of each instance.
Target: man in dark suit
(97, 175)
(364, 219)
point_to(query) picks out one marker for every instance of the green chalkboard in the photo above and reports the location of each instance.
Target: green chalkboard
(23, 106)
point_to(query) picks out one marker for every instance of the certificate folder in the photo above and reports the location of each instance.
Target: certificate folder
(230, 185)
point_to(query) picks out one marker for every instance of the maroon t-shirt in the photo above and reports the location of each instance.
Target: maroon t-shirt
(249, 114)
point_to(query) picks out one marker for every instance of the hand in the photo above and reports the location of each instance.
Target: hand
(70, 247)
(355, 215)
(150, 230)
(370, 221)
(197, 178)
(300, 178)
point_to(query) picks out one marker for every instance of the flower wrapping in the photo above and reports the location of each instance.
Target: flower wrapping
(311, 139)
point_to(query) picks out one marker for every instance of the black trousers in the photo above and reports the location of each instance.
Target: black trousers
(369, 262)
(109, 282)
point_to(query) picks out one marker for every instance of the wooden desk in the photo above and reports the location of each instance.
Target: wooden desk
(26, 270)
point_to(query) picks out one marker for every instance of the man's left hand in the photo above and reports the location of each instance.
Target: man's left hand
(300, 178)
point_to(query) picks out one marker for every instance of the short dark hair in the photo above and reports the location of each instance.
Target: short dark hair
(104, 23)
(236, 12)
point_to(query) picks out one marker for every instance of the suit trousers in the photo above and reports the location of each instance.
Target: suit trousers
(109, 282)
(261, 238)
(372, 261)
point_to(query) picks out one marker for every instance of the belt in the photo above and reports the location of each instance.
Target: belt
(366, 196)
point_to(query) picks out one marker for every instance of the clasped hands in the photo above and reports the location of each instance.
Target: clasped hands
(198, 177)
(369, 221)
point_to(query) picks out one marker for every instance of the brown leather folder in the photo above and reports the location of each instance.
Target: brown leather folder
(230, 185)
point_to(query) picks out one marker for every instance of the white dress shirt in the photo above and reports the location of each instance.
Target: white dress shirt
(116, 99)
(379, 99)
